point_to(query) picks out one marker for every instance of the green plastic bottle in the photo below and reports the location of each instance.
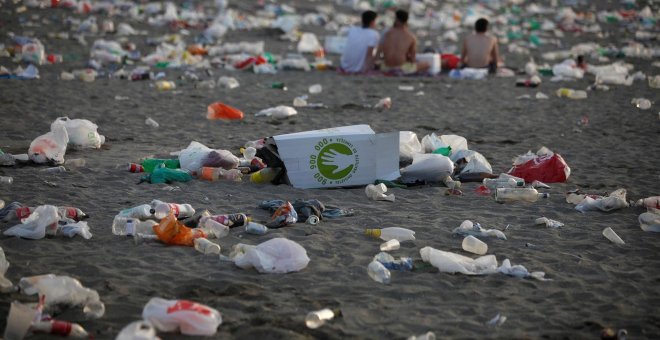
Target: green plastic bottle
(167, 175)
(150, 164)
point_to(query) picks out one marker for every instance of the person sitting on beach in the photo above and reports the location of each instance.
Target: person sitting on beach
(362, 41)
(480, 50)
(398, 48)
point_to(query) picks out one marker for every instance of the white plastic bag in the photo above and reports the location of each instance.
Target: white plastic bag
(192, 157)
(138, 330)
(432, 142)
(568, 69)
(448, 262)
(51, 146)
(278, 255)
(428, 167)
(79, 228)
(519, 271)
(5, 284)
(377, 192)
(476, 162)
(191, 318)
(82, 132)
(308, 43)
(648, 221)
(34, 226)
(408, 145)
(615, 200)
(66, 290)
(278, 112)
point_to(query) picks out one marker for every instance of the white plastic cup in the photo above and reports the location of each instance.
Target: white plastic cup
(318, 318)
(612, 236)
(474, 245)
(390, 245)
(205, 246)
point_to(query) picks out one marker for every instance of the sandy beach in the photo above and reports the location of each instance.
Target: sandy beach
(594, 283)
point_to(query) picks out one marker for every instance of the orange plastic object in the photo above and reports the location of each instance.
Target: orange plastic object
(171, 231)
(197, 49)
(219, 110)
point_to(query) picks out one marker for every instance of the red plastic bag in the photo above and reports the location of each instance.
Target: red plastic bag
(545, 167)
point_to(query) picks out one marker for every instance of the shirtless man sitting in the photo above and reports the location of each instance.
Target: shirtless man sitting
(398, 48)
(480, 50)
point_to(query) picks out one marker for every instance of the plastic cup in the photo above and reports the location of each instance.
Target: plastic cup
(318, 318)
(612, 236)
(474, 245)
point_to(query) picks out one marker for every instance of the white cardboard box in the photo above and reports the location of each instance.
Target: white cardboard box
(338, 157)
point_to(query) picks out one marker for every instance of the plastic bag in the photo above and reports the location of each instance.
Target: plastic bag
(448, 262)
(138, 330)
(171, 231)
(283, 216)
(5, 284)
(82, 132)
(191, 318)
(519, 271)
(51, 146)
(278, 112)
(377, 192)
(428, 167)
(192, 158)
(220, 159)
(615, 200)
(34, 227)
(467, 227)
(648, 221)
(545, 166)
(57, 289)
(278, 256)
(166, 175)
(79, 228)
(308, 43)
(432, 142)
(473, 162)
(408, 145)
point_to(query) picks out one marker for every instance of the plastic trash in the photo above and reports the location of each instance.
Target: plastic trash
(223, 111)
(19, 319)
(318, 318)
(228, 82)
(377, 192)
(612, 236)
(283, 216)
(166, 175)
(278, 112)
(180, 211)
(265, 175)
(206, 247)
(229, 220)
(469, 161)
(474, 245)
(508, 195)
(651, 203)
(385, 104)
(82, 133)
(378, 272)
(212, 228)
(615, 200)
(315, 89)
(141, 212)
(6, 180)
(214, 174)
(171, 231)
(165, 85)
(191, 318)
(427, 167)
(545, 166)
(150, 164)
(448, 262)
(152, 123)
(641, 103)
(402, 264)
(503, 181)
(50, 147)
(549, 222)
(409, 145)
(43, 220)
(129, 226)
(5, 284)
(568, 69)
(390, 245)
(386, 234)
(425, 336)
(278, 255)
(61, 328)
(79, 228)
(469, 73)
(56, 289)
(256, 228)
(572, 94)
(519, 271)
(647, 221)
(138, 330)
(308, 43)
(468, 227)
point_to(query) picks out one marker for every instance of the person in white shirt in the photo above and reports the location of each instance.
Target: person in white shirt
(361, 44)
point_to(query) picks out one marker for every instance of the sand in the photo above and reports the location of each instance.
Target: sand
(595, 283)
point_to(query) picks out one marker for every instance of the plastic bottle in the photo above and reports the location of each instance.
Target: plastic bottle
(142, 237)
(132, 167)
(494, 183)
(6, 180)
(572, 94)
(54, 170)
(317, 318)
(378, 272)
(612, 236)
(214, 174)
(128, 226)
(61, 328)
(315, 89)
(152, 123)
(256, 228)
(230, 220)
(402, 264)
(217, 229)
(390, 245)
(265, 175)
(474, 245)
(518, 194)
(150, 164)
(451, 183)
(165, 85)
(652, 202)
(386, 234)
(206, 247)
(641, 103)
(141, 212)
(181, 211)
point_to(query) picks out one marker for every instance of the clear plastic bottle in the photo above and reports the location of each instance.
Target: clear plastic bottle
(494, 183)
(181, 211)
(54, 170)
(390, 245)
(128, 226)
(503, 195)
(474, 245)
(61, 328)
(256, 228)
(378, 272)
(214, 174)
(386, 234)
(612, 236)
(215, 228)
(265, 175)
(141, 211)
(6, 180)
(317, 318)
(205, 246)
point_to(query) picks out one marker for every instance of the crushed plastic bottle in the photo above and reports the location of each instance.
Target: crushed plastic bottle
(206, 247)
(504, 195)
(57, 289)
(378, 272)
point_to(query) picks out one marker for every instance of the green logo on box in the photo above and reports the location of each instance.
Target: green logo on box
(336, 161)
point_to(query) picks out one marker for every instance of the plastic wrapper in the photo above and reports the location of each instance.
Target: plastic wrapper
(191, 318)
(409, 145)
(283, 216)
(82, 133)
(428, 167)
(647, 221)
(469, 161)
(79, 228)
(277, 256)
(448, 262)
(308, 43)
(545, 166)
(55, 289)
(50, 147)
(615, 200)
(35, 226)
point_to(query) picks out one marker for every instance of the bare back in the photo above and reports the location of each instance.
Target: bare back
(479, 50)
(398, 47)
